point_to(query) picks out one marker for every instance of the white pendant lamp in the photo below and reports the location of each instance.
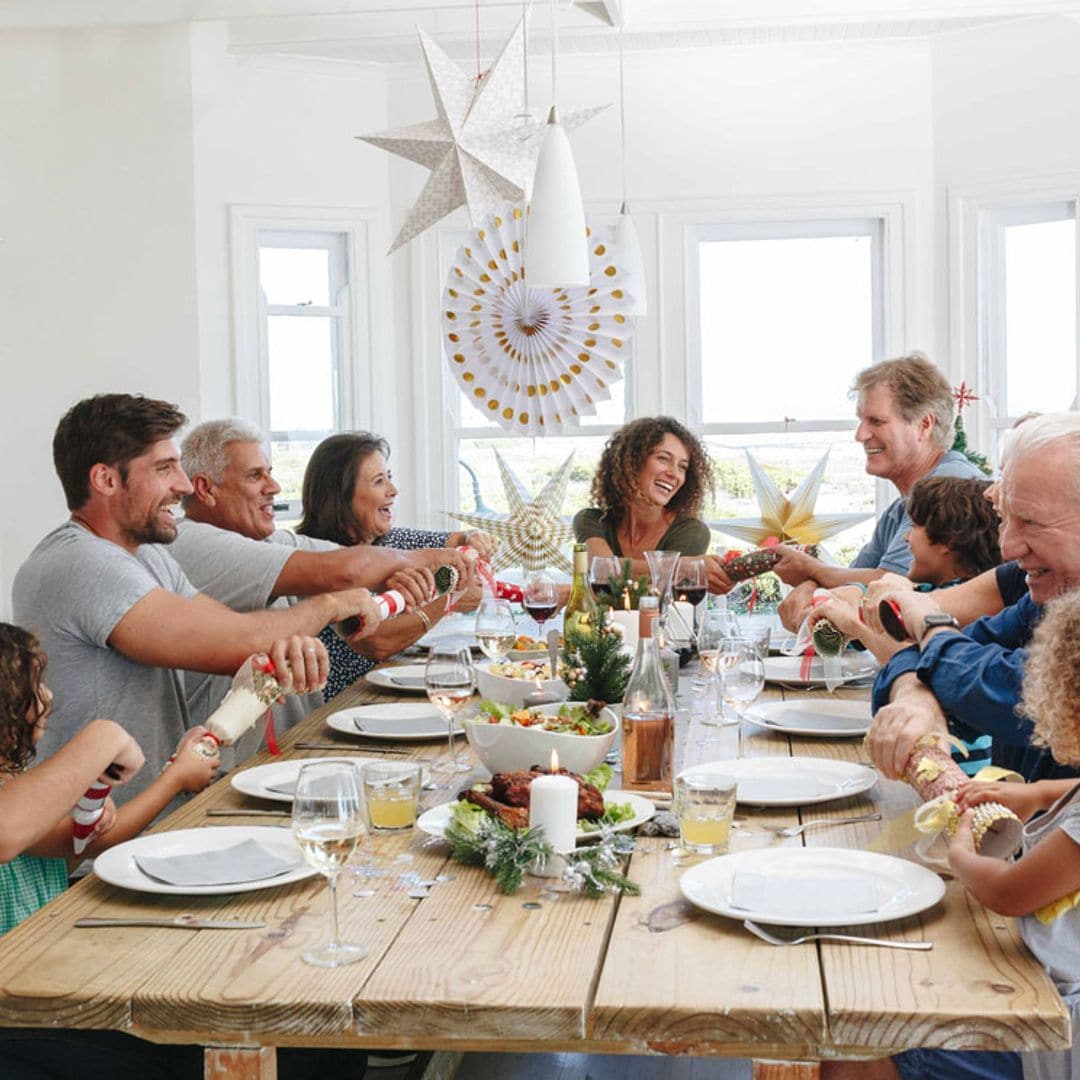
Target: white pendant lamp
(556, 245)
(626, 235)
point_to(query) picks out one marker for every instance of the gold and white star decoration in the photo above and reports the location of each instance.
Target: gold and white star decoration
(788, 517)
(479, 150)
(535, 360)
(533, 533)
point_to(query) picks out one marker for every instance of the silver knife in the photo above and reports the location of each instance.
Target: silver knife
(183, 922)
(223, 812)
(411, 682)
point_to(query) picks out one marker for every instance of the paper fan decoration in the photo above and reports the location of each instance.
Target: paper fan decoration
(533, 359)
(788, 517)
(533, 533)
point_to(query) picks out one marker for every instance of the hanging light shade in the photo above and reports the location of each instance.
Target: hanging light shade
(556, 244)
(626, 240)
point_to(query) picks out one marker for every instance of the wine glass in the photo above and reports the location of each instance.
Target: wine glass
(328, 822)
(540, 598)
(449, 679)
(690, 584)
(711, 636)
(495, 630)
(602, 571)
(742, 673)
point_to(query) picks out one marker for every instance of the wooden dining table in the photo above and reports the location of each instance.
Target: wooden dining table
(455, 966)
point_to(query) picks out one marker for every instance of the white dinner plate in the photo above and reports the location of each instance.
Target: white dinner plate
(117, 866)
(823, 717)
(258, 780)
(395, 721)
(434, 821)
(812, 886)
(792, 781)
(404, 678)
(788, 669)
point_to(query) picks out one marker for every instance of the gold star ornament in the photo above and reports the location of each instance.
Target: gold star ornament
(788, 517)
(533, 534)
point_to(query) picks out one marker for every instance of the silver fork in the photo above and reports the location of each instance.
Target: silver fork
(797, 830)
(921, 946)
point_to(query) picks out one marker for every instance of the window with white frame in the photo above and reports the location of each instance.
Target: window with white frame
(473, 436)
(781, 316)
(1028, 311)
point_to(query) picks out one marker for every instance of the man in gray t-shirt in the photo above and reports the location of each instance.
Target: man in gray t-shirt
(115, 613)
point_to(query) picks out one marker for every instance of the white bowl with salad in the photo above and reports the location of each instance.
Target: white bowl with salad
(511, 680)
(506, 737)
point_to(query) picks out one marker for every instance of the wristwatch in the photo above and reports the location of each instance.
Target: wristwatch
(934, 620)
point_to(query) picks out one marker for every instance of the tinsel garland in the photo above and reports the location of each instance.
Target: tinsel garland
(506, 854)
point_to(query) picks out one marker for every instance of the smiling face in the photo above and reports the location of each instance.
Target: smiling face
(930, 562)
(243, 500)
(1040, 515)
(896, 449)
(373, 498)
(144, 503)
(664, 471)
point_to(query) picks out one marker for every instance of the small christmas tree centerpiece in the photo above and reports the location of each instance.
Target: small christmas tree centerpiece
(595, 667)
(625, 591)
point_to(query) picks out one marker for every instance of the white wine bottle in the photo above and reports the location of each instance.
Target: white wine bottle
(581, 607)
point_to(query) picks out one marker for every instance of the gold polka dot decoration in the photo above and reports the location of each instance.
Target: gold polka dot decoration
(532, 358)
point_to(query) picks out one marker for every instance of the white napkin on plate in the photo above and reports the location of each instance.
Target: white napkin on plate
(809, 898)
(243, 862)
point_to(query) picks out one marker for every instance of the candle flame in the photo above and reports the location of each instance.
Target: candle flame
(554, 761)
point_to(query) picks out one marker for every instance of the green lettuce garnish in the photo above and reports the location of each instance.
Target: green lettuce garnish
(599, 777)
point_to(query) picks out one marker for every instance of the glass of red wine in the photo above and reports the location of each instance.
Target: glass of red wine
(540, 598)
(602, 571)
(689, 584)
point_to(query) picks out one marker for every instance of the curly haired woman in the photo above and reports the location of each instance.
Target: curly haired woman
(647, 493)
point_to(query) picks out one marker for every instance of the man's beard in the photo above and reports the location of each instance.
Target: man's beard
(154, 531)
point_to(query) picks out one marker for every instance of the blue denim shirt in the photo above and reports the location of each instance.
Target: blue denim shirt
(976, 677)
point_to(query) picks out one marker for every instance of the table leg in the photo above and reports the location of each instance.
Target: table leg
(239, 1063)
(785, 1070)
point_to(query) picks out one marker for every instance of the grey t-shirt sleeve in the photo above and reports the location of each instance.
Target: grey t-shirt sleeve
(96, 590)
(588, 525)
(887, 549)
(230, 568)
(288, 538)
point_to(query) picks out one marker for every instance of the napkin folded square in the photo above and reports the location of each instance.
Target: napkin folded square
(795, 896)
(779, 788)
(243, 862)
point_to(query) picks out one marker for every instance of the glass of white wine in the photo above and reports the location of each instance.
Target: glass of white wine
(449, 679)
(328, 823)
(742, 672)
(712, 633)
(495, 629)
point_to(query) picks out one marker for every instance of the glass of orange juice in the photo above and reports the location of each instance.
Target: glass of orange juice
(391, 794)
(704, 806)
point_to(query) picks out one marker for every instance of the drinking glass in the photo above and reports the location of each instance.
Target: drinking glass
(742, 674)
(602, 570)
(391, 794)
(704, 806)
(661, 571)
(495, 629)
(540, 598)
(328, 822)
(449, 679)
(712, 634)
(690, 584)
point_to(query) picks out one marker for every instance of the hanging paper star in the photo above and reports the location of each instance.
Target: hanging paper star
(788, 517)
(479, 151)
(533, 533)
(963, 396)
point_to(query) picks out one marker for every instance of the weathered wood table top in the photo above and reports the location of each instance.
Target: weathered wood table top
(467, 968)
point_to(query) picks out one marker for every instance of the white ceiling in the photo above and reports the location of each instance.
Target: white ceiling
(384, 31)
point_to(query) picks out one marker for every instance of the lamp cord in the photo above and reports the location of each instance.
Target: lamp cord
(554, 52)
(622, 108)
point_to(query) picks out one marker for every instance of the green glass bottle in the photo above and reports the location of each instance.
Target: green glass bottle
(581, 607)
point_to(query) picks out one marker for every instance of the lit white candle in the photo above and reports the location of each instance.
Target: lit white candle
(681, 621)
(553, 807)
(628, 622)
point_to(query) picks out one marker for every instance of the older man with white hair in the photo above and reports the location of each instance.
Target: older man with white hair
(972, 677)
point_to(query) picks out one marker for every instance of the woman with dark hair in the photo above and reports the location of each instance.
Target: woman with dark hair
(348, 497)
(647, 493)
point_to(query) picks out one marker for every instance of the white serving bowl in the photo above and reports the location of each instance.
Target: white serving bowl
(506, 747)
(508, 691)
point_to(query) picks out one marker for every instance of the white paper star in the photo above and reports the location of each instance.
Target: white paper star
(479, 150)
(788, 517)
(533, 533)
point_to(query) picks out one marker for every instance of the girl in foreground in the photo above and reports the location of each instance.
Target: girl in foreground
(1042, 889)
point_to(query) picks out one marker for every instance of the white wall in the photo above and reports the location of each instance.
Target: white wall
(97, 271)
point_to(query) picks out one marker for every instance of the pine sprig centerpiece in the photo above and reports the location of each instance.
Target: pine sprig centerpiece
(595, 667)
(597, 869)
(504, 852)
(625, 591)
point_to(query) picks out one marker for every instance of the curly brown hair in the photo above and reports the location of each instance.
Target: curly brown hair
(615, 484)
(1051, 696)
(955, 511)
(22, 664)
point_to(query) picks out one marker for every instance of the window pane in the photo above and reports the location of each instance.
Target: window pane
(785, 325)
(295, 275)
(787, 458)
(302, 375)
(1040, 316)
